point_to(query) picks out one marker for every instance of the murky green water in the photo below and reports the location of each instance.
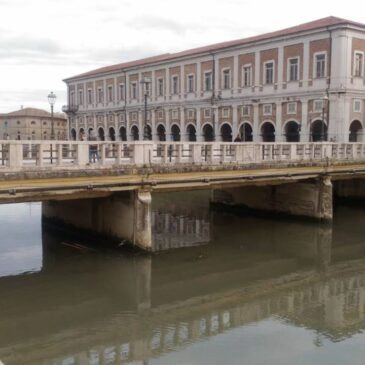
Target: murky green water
(246, 291)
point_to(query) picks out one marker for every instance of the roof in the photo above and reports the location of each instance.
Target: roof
(33, 112)
(316, 24)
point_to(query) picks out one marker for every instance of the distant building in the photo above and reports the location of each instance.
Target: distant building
(32, 124)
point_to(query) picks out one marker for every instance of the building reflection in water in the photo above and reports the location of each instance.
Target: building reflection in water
(98, 308)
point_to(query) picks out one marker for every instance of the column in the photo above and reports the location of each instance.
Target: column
(305, 61)
(182, 124)
(258, 80)
(198, 79)
(182, 82)
(280, 67)
(278, 124)
(305, 127)
(256, 121)
(141, 124)
(168, 82)
(235, 74)
(234, 122)
(153, 86)
(217, 133)
(153, 124)
(168, 129)
(199, 136)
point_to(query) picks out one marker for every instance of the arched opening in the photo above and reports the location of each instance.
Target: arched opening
(208, 133)
(292, 131)
(246, 133)
(191, 131)
(268, 132)
(318, 131)
(135, 133)
(161, 133)
(122, 134)
(148, 133)
(226, 133)
(73, 134)
(101, 134)
(112, 134)
(82, 136)
(175, 133)
(355, 131)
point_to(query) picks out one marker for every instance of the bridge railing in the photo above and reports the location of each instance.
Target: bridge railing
(20, 154)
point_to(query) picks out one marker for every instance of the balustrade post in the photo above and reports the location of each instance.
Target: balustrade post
(15, 155)
(179, 153)
(59, 149)
(293, 152)
(102, 154)
(82, 154)
(142, 153)
(118, 156)
(40, 154)
(196, 153)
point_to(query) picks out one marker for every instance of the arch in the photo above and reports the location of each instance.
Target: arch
(355, 131)
(122, 133)
(135, 133)
(292, 131)
(208, 132)
(101, 134)
(226, 132)
(161, 133)
(246, 132)
(191, 132)
(82, 134)
(89, 131)
(318, 131)
(112, 133)
(147, 135)
(73, 134)
(268, 132)
(175, 133)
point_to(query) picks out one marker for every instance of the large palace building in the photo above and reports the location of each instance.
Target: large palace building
(304, 83)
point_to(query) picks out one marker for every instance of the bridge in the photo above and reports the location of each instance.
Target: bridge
(113, 196)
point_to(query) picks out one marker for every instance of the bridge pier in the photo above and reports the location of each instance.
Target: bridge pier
(308, 199)
(122, 216)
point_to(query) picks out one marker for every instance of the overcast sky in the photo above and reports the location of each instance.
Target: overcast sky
(45, 41)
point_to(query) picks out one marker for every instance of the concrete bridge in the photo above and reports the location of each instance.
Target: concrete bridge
(113, 196)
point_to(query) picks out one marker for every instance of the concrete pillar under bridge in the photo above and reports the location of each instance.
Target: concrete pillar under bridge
(122, 216)
(307, 199)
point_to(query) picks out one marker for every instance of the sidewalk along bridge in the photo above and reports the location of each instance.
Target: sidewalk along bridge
(113, 196)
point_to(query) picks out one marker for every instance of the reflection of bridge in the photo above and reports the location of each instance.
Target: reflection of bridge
(113, 197)
(95, 309)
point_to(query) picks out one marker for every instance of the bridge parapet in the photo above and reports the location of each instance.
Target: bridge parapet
(23, 154)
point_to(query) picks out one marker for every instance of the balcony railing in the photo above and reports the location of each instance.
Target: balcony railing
(70, 108)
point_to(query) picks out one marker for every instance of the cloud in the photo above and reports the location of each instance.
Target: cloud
(157, 23)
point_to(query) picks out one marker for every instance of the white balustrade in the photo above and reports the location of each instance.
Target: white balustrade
(46, 154)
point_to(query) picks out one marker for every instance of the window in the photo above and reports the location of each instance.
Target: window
(121, 92)
(89, 96)
(293, 69)
(18, 122)
(320, 65)
(160, 87)
(359, 61)
(110, 94)
(191, 83)
(225, 113)
(208, 81)
(121, 117)
(175, 84)
(175, 114)
(292, 108)
(247, 76)
(191, 113)
(267, 109)
(226, 79)
(134, 116)
(357, 105)
(80, 97)
(32, 122)
(160, 114)
(318, 105)
(134, 90)
(110, 118)
(207, 113)
(245, 110)
(269, 72)
(72, 98)
(100, 95)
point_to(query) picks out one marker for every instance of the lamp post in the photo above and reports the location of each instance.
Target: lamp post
(324, 105)
(145, 82)
(52, 101)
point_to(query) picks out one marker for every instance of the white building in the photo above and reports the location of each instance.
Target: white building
(304, 83)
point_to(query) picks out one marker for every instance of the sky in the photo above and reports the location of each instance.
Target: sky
(43, 42)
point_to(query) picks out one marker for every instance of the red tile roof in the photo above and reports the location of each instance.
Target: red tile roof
(316, 24)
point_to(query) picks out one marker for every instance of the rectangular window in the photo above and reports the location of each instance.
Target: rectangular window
(160, 87)
(80, 97)
(134, 90)
(121, 92)
(175, 84)
(245, 110)
(191, 84)
(175, 114)
(320, 66)
(318, 105)
(357, 105)
(225, 113)
(191, 113)
(160, 114)
(359, 64)
(110, 94)
(89, 96)
(247, 76)
(267, 109)
(292, 108)
(134, 116)
(208, 81)
(269, 73)
(226, 79)
(100, 95)
(293, 69)
(207, 113)
(72, 98)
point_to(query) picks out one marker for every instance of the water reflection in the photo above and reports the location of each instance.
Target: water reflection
(261, 289)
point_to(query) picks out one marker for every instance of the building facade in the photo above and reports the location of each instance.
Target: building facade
(304, 83)
(33, 124)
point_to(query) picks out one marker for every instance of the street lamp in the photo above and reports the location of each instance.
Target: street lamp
(52, 101)
(324, 105)
(145, 82)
